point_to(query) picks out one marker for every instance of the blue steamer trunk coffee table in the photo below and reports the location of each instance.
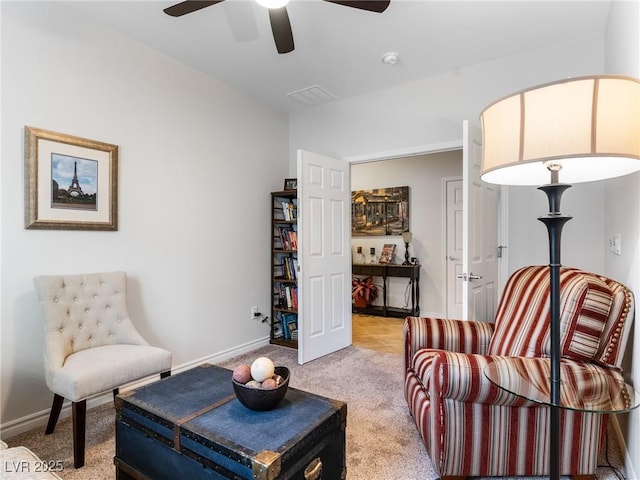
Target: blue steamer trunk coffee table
(190, 426)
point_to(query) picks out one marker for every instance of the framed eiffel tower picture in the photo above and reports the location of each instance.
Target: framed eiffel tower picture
(71, 183)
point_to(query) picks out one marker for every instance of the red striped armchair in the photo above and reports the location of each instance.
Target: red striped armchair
(469, 426)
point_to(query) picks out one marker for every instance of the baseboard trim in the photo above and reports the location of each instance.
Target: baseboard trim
(39, 419)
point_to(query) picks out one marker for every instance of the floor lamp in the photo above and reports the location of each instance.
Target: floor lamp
(580, 129)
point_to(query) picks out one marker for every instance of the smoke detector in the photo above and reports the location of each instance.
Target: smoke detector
(390, 58)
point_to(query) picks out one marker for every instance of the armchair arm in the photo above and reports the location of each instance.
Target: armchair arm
(585, 386)
(460, 377)
(444, 334)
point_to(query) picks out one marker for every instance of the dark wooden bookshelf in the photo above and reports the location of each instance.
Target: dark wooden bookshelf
(284, 257)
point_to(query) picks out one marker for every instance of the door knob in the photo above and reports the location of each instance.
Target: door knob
(469, 277)
(452, 258)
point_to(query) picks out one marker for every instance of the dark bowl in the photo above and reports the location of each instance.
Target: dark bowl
(260, 399)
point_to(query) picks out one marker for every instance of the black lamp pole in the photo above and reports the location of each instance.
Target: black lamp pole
(554, 221)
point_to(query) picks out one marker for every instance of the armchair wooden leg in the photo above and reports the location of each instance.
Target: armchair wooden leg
(79, 416)
(56, 407)
(584, 477)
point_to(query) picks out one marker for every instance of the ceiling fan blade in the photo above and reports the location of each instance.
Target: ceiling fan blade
(378, 6)
(189, 6)
(281, 28)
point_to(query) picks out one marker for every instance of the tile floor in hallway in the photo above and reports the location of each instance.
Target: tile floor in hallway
(377, 333)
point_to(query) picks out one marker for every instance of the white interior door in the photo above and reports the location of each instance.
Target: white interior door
(480, 233)
(454, 242)
(324, 255)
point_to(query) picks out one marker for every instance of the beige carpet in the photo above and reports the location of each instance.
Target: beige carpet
(382, 440)
(369, 382)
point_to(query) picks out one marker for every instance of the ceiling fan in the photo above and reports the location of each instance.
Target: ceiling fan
(280, 25)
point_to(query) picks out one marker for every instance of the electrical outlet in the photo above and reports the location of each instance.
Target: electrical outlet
(255, 312)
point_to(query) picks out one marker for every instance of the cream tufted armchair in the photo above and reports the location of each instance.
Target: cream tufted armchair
(90, 344)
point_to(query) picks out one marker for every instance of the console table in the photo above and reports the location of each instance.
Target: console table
(412, 272)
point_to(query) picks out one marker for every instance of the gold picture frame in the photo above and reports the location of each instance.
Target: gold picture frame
(89, 202)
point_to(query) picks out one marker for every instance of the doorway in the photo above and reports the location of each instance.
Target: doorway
(423, 174)
(383, 334)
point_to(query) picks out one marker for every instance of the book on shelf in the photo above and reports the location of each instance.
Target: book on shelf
(293, 331)
(284, 238)
(291, 265)
(289, 294)
(282, 298)
(294, 297)
(290, 326)
(288, 238)
(293, 239)
(285, 330)
(278, 332)
(289, 211)
(287, 291)
(289, 268)
(388, 253)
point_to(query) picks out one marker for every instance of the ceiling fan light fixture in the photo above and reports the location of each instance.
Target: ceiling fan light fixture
(273, 3)
(278, 16)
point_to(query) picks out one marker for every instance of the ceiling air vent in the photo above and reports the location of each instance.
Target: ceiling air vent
(314, 95)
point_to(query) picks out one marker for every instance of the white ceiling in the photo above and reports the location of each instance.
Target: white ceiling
(341, 48)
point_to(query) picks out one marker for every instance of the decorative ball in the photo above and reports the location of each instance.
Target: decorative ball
(242, 373)
(262, 368)
(269, 383)
(258, 398)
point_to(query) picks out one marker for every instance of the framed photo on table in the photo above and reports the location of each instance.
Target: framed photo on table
(388, 253)
(71, 183)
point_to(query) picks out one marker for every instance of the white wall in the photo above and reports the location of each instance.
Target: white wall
(622, 206)
(431, 110)
(198, 159)
(423, 174)
(582, 237)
